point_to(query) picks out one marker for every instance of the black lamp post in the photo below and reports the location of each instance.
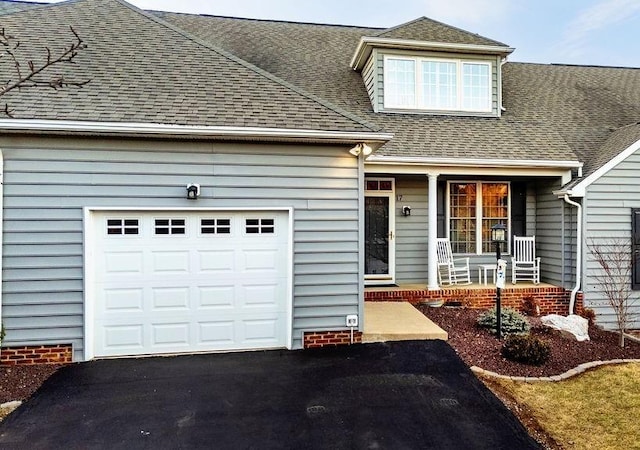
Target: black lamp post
(498, 236)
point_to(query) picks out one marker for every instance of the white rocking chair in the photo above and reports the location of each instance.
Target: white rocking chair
(524, 264)
(450, 270)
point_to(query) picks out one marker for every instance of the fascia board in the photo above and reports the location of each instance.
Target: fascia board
(579, 190)
(374, 139)
(367, 43)
(474, 162)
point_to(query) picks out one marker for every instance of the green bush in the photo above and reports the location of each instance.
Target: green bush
(526, 349)
(512, 322)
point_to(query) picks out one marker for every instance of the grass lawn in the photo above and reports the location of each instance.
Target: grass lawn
(599, 409)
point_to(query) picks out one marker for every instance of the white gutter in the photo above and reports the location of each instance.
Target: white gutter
(576, 288)
(372, 138)
(383, 159)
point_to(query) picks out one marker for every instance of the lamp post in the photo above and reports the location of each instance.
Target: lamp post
(498, 236)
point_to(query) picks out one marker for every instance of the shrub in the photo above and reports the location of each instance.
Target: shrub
(526, 349)
(589, 314)
(511, 321)
(531, 306)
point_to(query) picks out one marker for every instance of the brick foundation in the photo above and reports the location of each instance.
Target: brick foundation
(36, 354)
(317, 339)
(552, 300)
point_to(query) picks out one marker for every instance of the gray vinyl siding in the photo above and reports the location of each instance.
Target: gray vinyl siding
(369, 78)
(48, 182)
(411, 231)
(549, 210)
(607, 216)
(495, 79)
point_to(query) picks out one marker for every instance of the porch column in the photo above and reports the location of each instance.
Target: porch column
(432, 230)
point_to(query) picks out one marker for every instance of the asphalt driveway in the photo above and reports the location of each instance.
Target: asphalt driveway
(397, 395)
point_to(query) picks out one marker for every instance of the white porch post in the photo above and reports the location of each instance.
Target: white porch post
(432, 230)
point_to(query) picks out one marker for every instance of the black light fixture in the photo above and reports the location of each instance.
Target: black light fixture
(193, 191)
(498, 236)
(406, 210)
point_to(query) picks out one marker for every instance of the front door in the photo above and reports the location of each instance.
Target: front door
(379, 231)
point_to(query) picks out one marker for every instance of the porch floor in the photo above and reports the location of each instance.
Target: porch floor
(397, 321)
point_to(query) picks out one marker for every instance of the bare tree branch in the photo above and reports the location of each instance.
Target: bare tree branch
(614, 278)
(33, 79)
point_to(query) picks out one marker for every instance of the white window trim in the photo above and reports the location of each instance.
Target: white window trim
(419, 90)
(479, 216)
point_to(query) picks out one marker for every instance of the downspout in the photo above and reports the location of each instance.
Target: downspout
(576, 288)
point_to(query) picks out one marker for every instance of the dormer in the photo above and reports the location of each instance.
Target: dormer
(427, 67)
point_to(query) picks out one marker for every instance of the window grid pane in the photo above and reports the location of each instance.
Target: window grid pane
(495, 210)
(260, 226)
(215, 226)
(170, 226)
(439, 85)
(476, 87)
(462, 223)
(400, 83)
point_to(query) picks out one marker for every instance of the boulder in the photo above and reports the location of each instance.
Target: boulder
(572, 326)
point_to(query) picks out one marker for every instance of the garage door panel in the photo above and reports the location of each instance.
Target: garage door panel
(124, 262)
(216, 297)
(170, 262)
(216, 261)
(122, 300)
(172, 334)
(119, 338)
(193, 291)
(218, 332)
(174, 298)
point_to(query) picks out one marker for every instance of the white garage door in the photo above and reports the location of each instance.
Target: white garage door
(189, 281)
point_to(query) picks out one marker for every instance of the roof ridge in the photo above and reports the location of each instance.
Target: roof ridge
(252, 67)
(253, 19)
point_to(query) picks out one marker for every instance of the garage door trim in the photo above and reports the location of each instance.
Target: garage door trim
(89, 244)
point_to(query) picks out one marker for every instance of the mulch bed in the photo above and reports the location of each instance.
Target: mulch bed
(21, 381)
(479, 347)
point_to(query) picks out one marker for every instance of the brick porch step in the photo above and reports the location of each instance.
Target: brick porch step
(397, 321)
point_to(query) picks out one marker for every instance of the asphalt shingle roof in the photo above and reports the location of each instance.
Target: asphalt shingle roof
(425, 29)
(143, 70)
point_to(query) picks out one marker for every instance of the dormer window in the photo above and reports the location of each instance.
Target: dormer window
(433, 84)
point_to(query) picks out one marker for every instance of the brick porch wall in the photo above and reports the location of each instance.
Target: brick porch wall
(552, 300)
(36, 354)
(317, 339)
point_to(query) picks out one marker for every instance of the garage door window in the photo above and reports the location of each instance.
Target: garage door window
(260, 226)
(170, 226)
(215, 226)
(122, 226)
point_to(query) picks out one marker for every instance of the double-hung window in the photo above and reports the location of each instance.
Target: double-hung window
(436, 84)
(474, 207)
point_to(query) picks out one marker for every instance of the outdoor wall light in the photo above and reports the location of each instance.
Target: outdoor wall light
(361, 148)
(193, 191)
(406, 210)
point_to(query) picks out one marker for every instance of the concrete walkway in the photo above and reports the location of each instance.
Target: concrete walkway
(397, 321)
